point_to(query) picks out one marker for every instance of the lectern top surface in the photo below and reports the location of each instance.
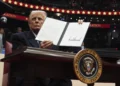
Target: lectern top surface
(39, 53)
(49, 52)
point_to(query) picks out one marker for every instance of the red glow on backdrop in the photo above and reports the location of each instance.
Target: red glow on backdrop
(23, 18)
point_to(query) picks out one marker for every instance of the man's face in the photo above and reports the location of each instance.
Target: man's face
(19, 30)
(36, 21)
(1, 31)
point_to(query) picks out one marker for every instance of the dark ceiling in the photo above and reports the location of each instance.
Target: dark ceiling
(108, 5)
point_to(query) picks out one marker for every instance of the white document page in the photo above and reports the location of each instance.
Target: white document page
(51, 30)
(75, 34)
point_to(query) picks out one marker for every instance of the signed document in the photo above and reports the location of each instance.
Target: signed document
(63, 33)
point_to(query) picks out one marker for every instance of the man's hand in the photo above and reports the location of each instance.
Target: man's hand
(46, 44)
(80, 21)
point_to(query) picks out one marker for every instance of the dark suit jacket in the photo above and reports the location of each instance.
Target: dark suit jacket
(28, 39)
(24, 39)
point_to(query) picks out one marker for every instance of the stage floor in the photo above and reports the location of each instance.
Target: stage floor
(78, 83)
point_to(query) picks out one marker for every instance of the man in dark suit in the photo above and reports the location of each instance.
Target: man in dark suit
(35, 21)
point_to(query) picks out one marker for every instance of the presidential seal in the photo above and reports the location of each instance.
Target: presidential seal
(87, 66)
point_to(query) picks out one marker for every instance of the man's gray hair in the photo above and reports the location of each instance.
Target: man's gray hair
(38, 11)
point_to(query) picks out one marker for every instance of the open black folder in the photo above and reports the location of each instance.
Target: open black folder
(63, 33)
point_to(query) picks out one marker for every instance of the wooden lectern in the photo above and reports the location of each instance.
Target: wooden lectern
(31, 63)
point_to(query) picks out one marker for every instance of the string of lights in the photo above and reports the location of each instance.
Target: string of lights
(60, 10)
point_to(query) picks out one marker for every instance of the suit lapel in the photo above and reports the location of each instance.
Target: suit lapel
(33, 43)
(31, 40)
